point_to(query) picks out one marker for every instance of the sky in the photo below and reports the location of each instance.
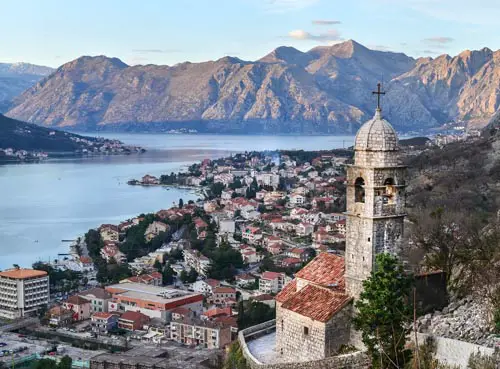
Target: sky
(53, 32)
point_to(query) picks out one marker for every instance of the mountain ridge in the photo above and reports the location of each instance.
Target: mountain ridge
(323, 90)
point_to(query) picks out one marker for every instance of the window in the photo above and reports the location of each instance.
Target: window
(359, 190)
(368, 239)
(389, 191)
(306, 331)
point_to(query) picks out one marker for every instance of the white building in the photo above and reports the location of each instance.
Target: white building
(226, 226)
(271, 282)
(22, 291)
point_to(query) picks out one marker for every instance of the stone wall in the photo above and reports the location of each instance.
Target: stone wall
(455, 352)
(357, 360)
(301, 338)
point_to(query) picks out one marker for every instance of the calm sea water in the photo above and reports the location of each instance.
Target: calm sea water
(42, 204)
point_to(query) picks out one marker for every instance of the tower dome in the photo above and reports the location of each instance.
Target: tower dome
(376, 135)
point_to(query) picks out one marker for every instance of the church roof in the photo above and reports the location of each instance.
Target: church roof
(376, 135)
(287, 291)
(325, 270)
(317, 303)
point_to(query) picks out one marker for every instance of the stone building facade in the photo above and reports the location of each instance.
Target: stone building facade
(314, 311)
(375, 201)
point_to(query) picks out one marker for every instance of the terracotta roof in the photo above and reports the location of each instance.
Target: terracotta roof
(324, 270)
(76, 300)
(224, 290)
(287, 291)
(22, 273)
(133, 316)
(270, 275)
(98, 293)
(102, 315)
(218, 312)
(317, 303)
(263, 297)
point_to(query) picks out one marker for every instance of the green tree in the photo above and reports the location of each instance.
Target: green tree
(168, 275)
(181, 203)
(157, 265)
(384, 313)
(65, 363)
(234, 358)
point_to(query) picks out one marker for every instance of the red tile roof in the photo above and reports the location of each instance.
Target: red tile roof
(22, 273)
(317, 303)
(287, 291)
(133, 316)
(77, 300)
(325, 270)
(270, 275)
(224, 290)
(102, 315)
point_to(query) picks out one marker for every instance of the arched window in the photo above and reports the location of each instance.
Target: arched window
(389, 191)
(359, 190)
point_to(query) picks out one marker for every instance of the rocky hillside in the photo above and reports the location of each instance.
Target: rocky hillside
(17, 77)
(324, 90)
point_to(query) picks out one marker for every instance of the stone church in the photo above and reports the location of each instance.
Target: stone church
(313, 312)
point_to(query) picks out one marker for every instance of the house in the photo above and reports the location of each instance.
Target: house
(111, 251)
(85, 264)
(150, 180)
(250, 256)
(103, 322)
(271, 282)
(154, 279)
(205, 286)
(98, 298)
(154, 229)
(60, 317)
(252, 234)
(304, 229)
(200, 225)
(194, 259)
(243, 280)
(298, 213)
(291, 262)
(79, 306)
(341, 227)
(222, 295)
(201, 332)
(227, 195)
(297, 199)
(226, 226)
(133, 321)
(217, 313)
(210, 206)
(265, 299)
(109, 232)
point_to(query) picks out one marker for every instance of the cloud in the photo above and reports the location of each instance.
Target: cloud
(440, 40)
(380, 47)
(156, 51)
(433, 52)
(328, 36)
(282, 6)
(324, 22)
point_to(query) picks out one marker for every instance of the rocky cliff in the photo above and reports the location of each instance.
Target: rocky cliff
(327, 89)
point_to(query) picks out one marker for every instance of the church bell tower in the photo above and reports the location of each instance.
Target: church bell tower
(375, 200)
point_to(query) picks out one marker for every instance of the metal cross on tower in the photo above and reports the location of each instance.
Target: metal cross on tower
(379, 92)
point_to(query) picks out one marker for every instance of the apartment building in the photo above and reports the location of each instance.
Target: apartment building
(203, 333)
(271, 282)
(22, 292)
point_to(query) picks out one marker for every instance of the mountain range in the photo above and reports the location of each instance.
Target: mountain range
(323, 90)
(17, 77)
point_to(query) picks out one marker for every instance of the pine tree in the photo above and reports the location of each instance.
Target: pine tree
(384, 313)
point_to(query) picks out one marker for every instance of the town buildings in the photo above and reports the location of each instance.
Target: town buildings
(271, 282)
(22, 292)
(103, 322)
(200, 332)
(152, 301)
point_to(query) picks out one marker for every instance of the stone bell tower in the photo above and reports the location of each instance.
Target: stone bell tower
(375, 200)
